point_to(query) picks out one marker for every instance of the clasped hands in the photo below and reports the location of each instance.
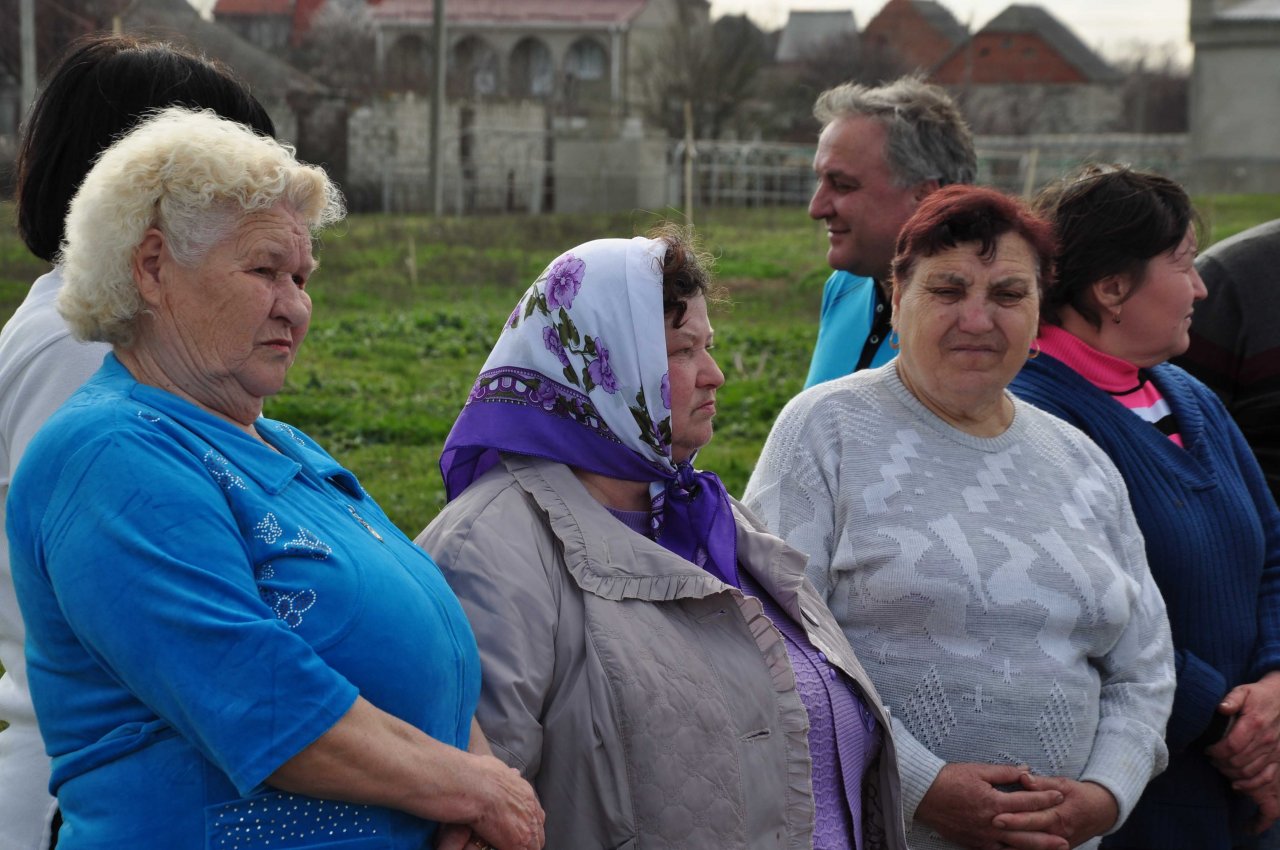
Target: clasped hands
(966, 805)
(1249, 754)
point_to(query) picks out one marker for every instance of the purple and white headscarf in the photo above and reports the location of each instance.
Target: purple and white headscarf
(579, 376)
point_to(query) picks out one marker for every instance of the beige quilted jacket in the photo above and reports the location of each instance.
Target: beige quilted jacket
(650, 704)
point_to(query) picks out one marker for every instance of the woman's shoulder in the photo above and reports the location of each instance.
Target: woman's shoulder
(99, 412)
(1048, 383)
(867, 393)
(494, 510)
(1063, 444)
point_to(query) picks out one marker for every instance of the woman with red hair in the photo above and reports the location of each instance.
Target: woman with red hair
(981, 556)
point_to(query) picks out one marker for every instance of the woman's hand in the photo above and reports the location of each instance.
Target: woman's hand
(1087, 810)
(453, 836)
(964, 802)
(1267, 796)
(370, 756)
(509, 817)
(1253, 744)
(479, 746)
(1249, 755)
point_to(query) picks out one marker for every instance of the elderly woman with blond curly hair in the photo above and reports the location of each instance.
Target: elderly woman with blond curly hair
(229, 644)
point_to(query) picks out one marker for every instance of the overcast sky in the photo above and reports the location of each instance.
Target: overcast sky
(1109, 26)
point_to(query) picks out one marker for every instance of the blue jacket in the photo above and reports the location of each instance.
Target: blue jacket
(848, 313)
(200, 608)
(1212, 535)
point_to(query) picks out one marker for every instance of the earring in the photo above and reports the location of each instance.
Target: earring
(1115, 317)
(893, 341)
(1035, 349)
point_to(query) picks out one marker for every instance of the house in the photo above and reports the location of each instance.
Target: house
(1235, 96)
(579, 54)
(807, 33)
(289, 96)
(270, 24)
(543, 99)
(918, 34)
(266, 23)
(1025, 72)
(283, 90)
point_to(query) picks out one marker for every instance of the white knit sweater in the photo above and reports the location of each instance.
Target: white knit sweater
(995, 589)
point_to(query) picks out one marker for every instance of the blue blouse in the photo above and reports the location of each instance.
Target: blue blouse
(850, 306)
(200, 609)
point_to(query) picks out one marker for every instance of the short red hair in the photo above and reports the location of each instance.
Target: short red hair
(956, 215)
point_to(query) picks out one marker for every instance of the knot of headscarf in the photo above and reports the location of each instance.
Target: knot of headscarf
(693, 518)
(579, 376)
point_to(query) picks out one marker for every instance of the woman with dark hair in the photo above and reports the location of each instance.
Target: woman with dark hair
(1121, 307)
(100, 89)
(654, 661)
(980, 555)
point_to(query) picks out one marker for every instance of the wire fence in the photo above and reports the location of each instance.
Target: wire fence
(532, 172)
(759, 174)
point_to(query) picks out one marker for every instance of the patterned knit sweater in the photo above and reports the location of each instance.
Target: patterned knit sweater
(995, 589)
(1212, 536)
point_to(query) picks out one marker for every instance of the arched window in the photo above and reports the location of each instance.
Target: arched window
(586, 60)
(533, 72)
(473, 68)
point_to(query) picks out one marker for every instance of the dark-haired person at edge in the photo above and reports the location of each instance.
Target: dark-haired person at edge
(654, 661)
(1121, 307)
(99, 89)
(981, 555)
(229, 644)
(1235, 338)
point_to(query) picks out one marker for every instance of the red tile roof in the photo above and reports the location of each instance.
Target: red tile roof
(514, 11)
(253, 7)
(303, 12)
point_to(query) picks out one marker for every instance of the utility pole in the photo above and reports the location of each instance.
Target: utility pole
(27, 37)
(689, 155)
(437, 106)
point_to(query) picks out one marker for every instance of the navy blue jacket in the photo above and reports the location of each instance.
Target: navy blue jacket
(1212, 535)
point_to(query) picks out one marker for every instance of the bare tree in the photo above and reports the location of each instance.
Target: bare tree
(792, 88)
(1156, 90)
(714, 66)
(337, 49)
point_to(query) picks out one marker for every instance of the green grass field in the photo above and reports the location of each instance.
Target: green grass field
(407, 307)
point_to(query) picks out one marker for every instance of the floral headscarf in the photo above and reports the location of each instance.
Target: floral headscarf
(579, 376)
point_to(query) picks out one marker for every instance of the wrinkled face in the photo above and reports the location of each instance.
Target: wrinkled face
(857, 197)
(694, 378)
(231, 327)
(1155, 321)
(966, 324)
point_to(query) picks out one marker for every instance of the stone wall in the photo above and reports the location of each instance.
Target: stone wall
(499, 157)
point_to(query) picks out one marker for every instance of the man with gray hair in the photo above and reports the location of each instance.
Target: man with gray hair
(881, 151)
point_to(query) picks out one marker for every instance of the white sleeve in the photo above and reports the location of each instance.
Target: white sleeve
(31, 396)
(1137, 675)
(794, 487)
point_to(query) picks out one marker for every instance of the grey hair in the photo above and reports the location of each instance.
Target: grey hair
(192, 175)
(928, 138)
